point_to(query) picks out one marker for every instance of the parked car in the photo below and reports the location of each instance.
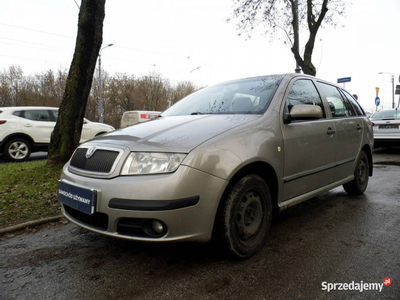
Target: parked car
(133, 117)
(218, 162)
(27, 129)
(386, 126)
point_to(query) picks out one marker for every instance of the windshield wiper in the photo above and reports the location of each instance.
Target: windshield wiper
(196, 113)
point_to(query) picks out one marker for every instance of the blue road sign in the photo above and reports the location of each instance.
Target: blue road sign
(344, 79)
(377, 101)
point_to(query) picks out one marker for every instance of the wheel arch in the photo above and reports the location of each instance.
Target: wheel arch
(262, 169)
(16, 135)
(265, 171)
(368, 151)
(100, 133)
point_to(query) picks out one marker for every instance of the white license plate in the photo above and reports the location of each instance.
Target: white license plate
(389, 126)
(82, 199)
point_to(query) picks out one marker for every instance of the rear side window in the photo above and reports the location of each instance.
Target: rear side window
(18, 113)
(55, 114)
(38, 115)
(304, 92)
(355, 104)
(340, 107)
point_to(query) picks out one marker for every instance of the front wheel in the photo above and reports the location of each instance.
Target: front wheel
(246, 216)
(361, 175)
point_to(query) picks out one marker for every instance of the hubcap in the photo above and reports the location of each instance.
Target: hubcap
(249, 215)
(18, 150)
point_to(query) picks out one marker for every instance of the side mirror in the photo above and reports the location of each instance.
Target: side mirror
(305, 112)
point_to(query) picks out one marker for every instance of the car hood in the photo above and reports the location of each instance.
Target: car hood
(173, 134)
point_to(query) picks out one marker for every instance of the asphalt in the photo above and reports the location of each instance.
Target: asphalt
(332, 239)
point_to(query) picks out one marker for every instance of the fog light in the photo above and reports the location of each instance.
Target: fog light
(157, 226)
(154, 228)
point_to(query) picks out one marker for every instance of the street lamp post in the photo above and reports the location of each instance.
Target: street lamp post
(392, 78)
(101, 114)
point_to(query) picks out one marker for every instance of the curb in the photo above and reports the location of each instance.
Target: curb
(29, 224)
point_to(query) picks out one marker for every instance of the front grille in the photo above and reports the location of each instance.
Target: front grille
(97, 220)
(101, 161)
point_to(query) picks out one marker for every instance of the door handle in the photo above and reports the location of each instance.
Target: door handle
(330, 131)
(359, 127)
(28, 125)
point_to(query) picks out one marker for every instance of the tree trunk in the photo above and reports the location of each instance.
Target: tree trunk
(67, 132)
(313, 27)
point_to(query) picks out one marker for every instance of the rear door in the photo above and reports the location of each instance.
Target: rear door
(38, 123)
(349, 130)
(309, 145)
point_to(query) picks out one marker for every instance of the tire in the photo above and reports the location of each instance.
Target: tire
(361, 175)
(17, 150)
(246, 217)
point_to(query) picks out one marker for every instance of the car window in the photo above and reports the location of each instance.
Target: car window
(355, 104)
(249, 96)
(304, 92)
(38, 115)
(55, 114)
(18, 113)
(340, 107)
(386, 114)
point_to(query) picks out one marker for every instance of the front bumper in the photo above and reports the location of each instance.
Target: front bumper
(185, 202)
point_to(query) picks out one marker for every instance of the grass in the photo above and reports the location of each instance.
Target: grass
(28, 191)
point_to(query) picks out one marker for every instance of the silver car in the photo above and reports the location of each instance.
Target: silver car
(386, 126)
(217, 163)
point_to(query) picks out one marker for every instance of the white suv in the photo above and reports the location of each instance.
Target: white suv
(26, 129)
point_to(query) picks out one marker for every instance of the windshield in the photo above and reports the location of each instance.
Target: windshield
(245, 96)
(386, 114)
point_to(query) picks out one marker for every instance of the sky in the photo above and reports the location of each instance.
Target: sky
(191, 40)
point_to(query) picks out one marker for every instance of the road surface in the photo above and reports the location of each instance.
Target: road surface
(330, 247)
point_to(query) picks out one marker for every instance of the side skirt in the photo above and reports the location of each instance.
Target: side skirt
(291, 202)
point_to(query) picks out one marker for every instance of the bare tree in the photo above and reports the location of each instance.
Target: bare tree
(183, 89)
(13, 85)
(154, 92)
(288, 16)
(67, 132)
(121, 92)
(5, 90)
(124, 91)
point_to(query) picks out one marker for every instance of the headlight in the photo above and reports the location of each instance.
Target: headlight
(140, 163)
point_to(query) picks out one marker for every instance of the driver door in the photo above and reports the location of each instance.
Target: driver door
(309, 145)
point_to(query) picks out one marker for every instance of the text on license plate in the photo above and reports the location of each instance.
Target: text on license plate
(82, 199)
(389, 126)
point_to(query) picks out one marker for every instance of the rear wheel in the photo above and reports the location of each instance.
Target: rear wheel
(361, 175)
(17, 149)
(246, 216)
